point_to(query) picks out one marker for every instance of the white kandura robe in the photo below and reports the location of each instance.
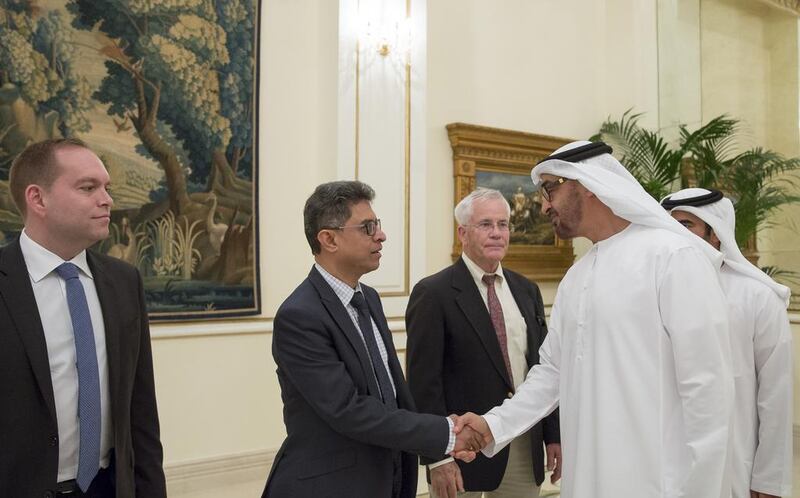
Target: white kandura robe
(761, 345)
(638, 357)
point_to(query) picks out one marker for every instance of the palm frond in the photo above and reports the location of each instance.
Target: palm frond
(755, 179)
(717, 129)
(620, 134)
(781, 275)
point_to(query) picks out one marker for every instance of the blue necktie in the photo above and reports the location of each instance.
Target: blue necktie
(381, 374)
(88, 376)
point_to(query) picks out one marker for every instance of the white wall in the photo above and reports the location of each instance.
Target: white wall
(750, 71)
(556, 68)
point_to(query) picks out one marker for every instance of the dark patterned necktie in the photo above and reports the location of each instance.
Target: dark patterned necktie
(381, 374)
(498, 322)
(88, 376)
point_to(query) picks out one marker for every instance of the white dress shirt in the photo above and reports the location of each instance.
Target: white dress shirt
(51, 299)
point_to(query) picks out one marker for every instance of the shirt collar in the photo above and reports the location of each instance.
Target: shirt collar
(477, 272)
(342, 290)
(41, 262)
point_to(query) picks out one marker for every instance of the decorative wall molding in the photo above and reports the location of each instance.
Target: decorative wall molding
(474, 141)
(791, 6)
(264, 326)
(189, 477)
(217, 474)
(217, 465)
(397, 324)
(199, 328)
(381, 109)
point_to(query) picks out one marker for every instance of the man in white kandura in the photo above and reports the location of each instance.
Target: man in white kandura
(637, 354)
(761, 345)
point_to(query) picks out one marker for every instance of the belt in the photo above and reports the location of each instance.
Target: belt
(67, 488)
(71, 488)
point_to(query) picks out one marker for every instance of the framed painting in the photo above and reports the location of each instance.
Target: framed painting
(502, 160)
(165, 93)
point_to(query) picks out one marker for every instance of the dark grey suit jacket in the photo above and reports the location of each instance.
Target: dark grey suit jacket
(28, 429)
(455, 365)
(340, 435)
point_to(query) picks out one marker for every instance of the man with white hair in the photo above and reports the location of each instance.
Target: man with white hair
(637, 354)
(474, 331)
(761, 347)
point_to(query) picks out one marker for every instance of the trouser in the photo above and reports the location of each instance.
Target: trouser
(397, 474)
(518, 480)
(102, 486)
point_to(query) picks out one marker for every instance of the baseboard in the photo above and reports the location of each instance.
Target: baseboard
(188, 477)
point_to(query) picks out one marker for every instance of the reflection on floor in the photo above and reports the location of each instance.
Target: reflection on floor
(250, 484)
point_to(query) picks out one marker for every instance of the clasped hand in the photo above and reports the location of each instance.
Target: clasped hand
(472, 435)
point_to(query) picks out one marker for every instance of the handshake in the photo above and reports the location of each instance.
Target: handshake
(472, 435)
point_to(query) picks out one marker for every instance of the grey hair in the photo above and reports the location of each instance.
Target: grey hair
(464, 209)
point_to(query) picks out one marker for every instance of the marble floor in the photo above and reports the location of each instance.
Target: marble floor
(250, 484)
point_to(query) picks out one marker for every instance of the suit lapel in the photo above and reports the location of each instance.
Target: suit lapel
(469, 300)
(339, 314)
(109, 295)
(16, 291)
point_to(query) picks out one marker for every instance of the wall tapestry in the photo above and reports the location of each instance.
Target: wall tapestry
(165, 92)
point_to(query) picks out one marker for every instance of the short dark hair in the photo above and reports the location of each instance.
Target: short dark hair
(329, 206)
(36, 165)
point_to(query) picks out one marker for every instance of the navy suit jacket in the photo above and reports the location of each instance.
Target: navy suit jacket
(340, 435)
(28, 428)
(455, 364)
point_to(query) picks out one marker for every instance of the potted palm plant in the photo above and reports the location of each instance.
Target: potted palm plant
(754, 179)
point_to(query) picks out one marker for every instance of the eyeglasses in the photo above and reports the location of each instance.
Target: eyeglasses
(487, 226)
(369, 227)
(546, 188)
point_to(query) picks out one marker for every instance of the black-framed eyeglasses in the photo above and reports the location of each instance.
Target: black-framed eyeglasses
(546, 188)
(369, 227)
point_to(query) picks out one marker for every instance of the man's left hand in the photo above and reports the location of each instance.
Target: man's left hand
(446, 480)
(554, 461)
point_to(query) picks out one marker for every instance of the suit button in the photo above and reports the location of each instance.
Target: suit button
(510, 394)
(53, 440)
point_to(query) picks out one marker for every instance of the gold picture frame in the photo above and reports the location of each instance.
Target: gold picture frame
(503, 159)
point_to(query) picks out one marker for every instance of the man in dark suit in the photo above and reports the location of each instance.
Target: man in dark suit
(79, 415)
(474, 329)
(350, 421)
